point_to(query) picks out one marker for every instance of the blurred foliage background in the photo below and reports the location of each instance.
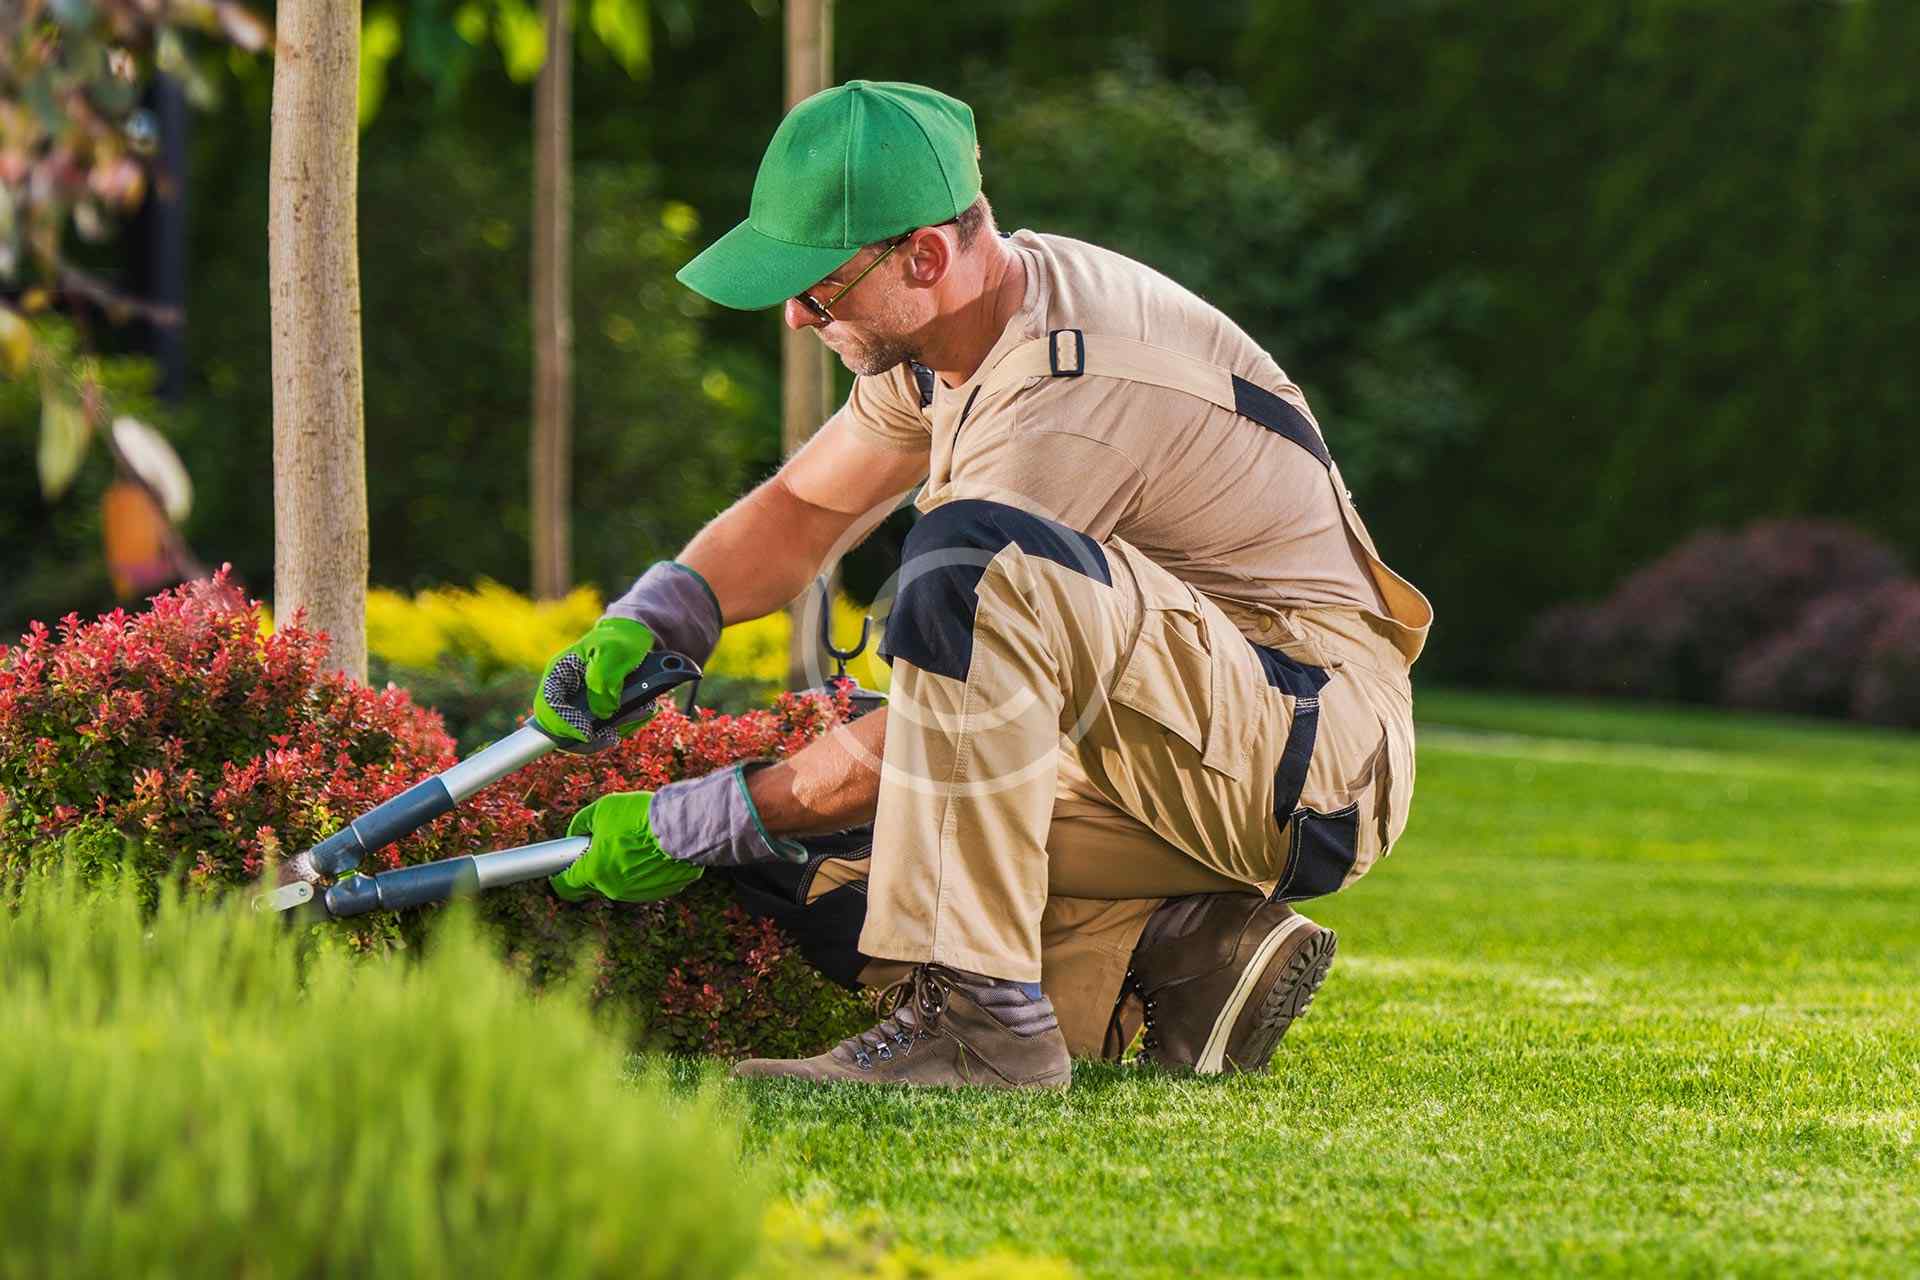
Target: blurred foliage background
(471, 654)
(1566, 283)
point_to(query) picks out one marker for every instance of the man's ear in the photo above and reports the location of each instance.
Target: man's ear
(930, 255)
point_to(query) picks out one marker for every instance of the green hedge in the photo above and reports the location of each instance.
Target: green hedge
(193, 1092)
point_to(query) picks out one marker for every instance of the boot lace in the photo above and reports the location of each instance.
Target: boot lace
(1150, 1041)
(910, 1009)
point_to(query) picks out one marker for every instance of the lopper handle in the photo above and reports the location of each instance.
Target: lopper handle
(450, 878)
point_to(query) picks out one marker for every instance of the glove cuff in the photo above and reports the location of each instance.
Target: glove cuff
(676, 604)
(710, 821)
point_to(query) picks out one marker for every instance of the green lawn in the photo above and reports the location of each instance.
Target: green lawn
(1635, 995)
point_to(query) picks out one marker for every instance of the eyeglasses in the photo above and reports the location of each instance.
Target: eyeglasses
(823, 311)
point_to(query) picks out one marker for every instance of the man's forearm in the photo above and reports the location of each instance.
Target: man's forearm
(831, 785)
(763, 550)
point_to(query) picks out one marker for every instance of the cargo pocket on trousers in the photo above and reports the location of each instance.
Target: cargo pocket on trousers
(1321, 853)
(1174, 679)
(1327, 850)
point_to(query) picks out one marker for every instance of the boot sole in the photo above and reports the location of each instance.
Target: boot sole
(1286, 999)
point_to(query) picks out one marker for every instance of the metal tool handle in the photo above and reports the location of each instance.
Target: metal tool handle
(441, 881)
(421, 803)
(428, 799)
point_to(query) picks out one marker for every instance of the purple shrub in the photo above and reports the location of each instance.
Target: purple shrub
(1813, 667)
(1675, 629)
(1583, 648)
(1888, 690)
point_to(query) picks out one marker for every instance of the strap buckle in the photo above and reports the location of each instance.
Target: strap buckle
(1076, 349)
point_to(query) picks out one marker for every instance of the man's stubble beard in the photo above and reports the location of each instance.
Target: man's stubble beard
(877, 353)
(876, 357)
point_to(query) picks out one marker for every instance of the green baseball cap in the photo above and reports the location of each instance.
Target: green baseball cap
(854, 164)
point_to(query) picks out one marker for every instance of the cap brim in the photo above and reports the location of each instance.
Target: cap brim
(750, 272)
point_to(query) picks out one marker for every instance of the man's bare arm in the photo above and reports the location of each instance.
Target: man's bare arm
(766, 548)
(832, 784)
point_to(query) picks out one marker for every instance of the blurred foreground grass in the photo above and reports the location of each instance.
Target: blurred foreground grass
(202, 1091)
(1636, 995)
(176, 1104)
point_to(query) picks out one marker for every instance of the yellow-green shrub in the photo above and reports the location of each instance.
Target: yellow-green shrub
(809, 1238)
(472, 653)
(492, 627)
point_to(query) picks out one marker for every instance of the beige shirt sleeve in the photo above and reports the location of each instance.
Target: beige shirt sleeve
(886, 409)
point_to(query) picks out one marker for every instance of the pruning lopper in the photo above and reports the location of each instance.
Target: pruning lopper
(341, 852)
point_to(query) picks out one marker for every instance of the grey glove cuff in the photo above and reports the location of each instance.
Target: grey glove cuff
(711, 822)
(676, 604)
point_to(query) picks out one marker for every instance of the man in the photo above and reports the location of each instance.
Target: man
(1150, 677)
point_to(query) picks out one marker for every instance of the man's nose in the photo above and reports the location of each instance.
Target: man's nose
(798, 317)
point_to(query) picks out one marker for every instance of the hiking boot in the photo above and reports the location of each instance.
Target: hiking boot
(1223, 975)
(943, 1028)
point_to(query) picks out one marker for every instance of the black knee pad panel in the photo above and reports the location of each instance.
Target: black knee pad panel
(940, 568)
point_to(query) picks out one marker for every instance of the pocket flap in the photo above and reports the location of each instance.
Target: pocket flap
(1169, 679)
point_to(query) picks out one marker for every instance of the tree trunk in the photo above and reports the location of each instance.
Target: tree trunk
(552, 447)
(806, 366)
(319, 427)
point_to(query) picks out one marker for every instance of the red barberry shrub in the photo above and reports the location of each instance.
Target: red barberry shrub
(694, 972)
(1676, 628)
(204, 752)
(212, 748)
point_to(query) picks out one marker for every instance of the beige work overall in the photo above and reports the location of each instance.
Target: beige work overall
(1076, 734)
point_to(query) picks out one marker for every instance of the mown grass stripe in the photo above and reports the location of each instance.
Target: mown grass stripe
(1636, 995)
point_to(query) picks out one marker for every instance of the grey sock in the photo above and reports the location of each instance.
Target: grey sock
(1021, 1007)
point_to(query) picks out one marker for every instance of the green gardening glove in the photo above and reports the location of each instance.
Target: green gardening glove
(611, 651)
(624, 862)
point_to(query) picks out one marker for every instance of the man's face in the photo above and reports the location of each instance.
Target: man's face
(875, 324)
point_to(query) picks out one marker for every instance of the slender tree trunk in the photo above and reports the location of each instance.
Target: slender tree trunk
(319, 428)
(552, 449)
(806, 366)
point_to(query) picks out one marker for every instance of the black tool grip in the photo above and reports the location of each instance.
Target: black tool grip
(658, 672)
(381, 826)
(566, 693)
(407, 887)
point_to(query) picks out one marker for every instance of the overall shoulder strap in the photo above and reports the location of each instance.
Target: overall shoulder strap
(1069, 353)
